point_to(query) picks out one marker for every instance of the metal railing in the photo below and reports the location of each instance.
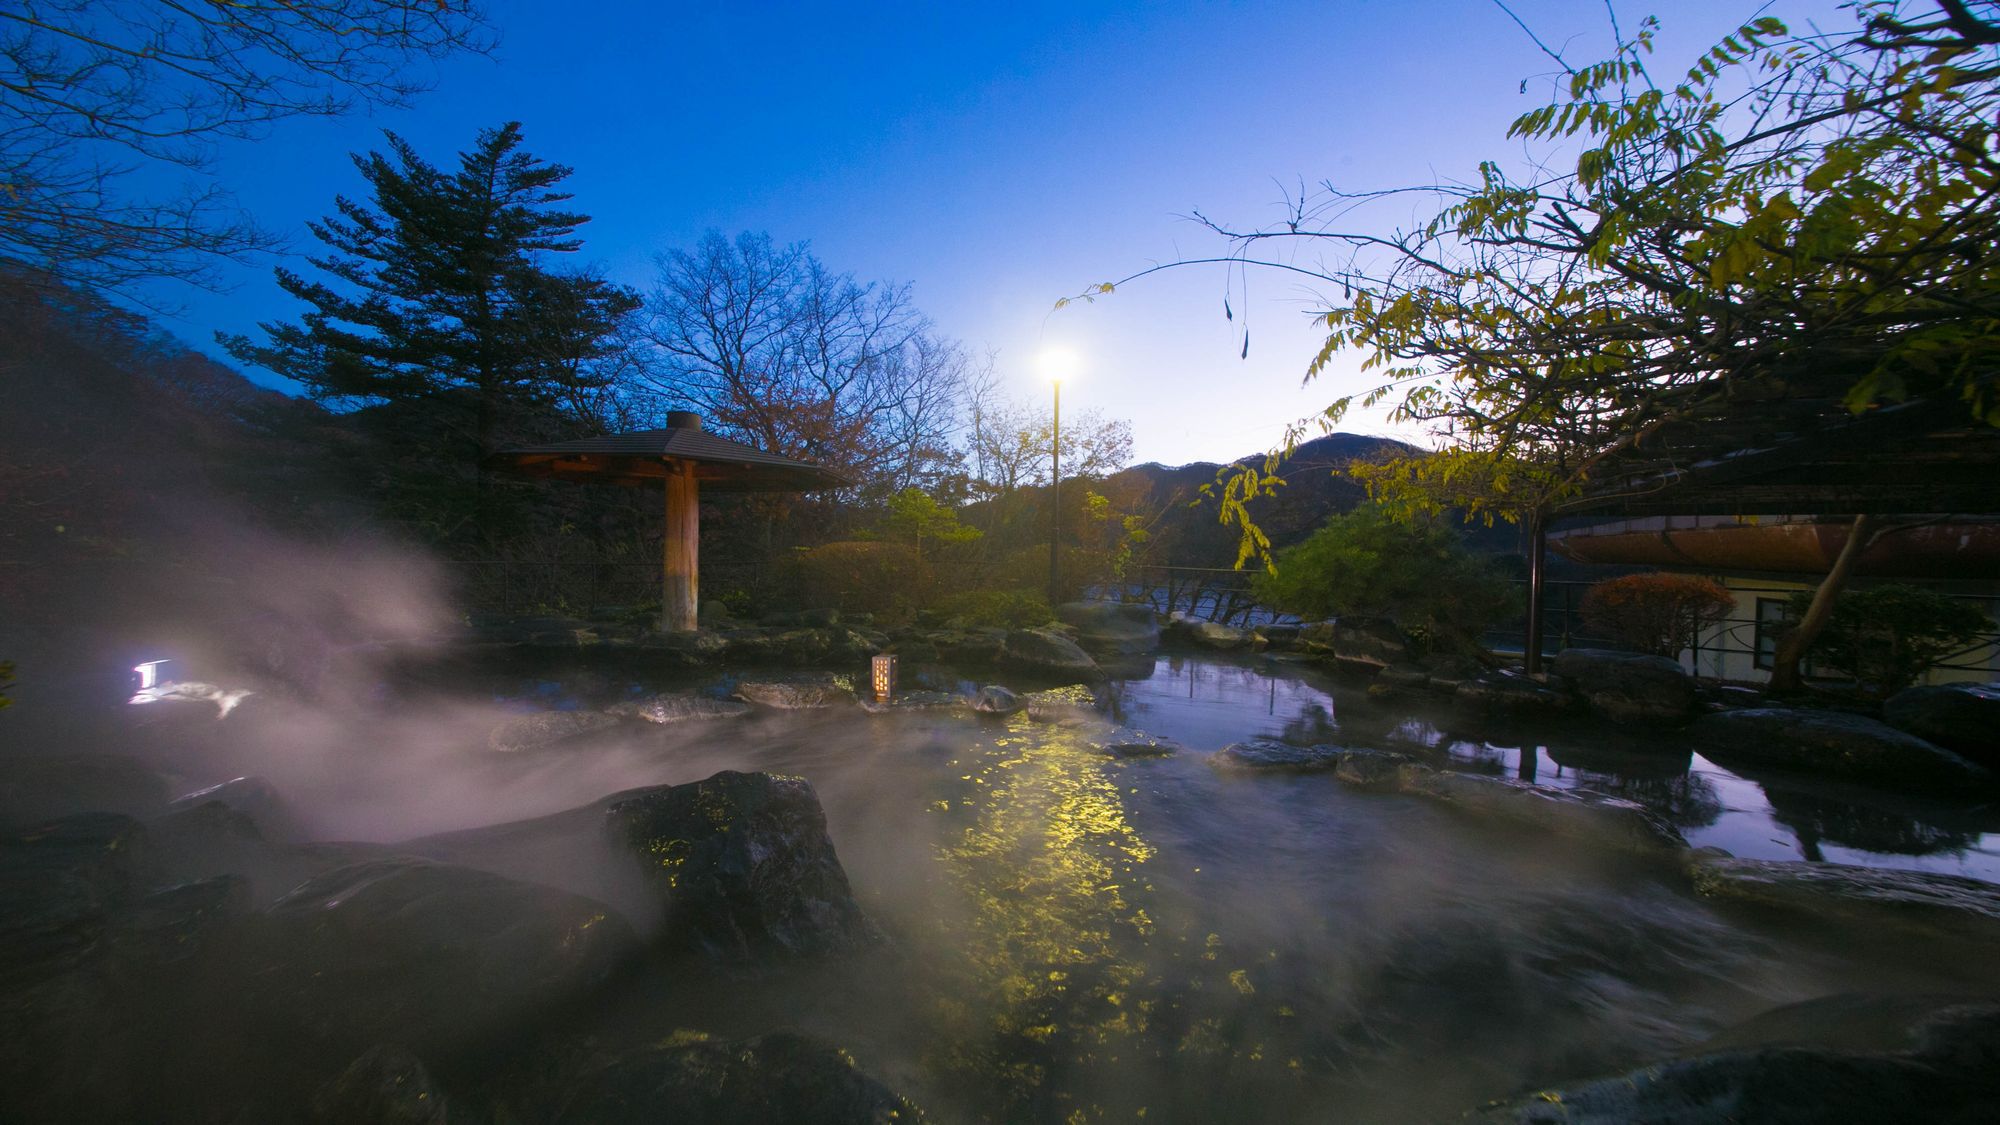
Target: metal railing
(1563, 627)
(1213, 593)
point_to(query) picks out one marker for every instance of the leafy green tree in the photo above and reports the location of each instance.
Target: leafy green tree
(1118, 537)
(916, 516)
(1799, 215)
(438, 309)
(1373, 562)
(1887, 636)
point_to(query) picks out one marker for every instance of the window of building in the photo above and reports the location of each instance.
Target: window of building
(1772, 616)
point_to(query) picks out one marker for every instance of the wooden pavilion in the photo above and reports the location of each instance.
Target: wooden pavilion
(684, 459)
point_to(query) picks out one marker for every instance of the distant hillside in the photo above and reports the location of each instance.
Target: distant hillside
(140, 482)
(1188, 533)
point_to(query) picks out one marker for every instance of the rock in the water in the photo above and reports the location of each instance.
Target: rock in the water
(743, 866)
(545, 728)
(679, 707)
(1074, 705)
(1216, 635)
(180, 922)
(428, 955)
(1511, 694)
(1049, 653)
(773, 1078)
(1843, 1021)
(1403, 676)
(1580, 813)
(35, 788)
(996, 700)
(795, 695)
(1629, 686)
(1376, 770)
(1121, 628)
(1962, 718)
(1832, 744)
(920, 700)
(1125, 743)
(1360, 642)
(1949, 1075)
(973, 646)
(60, 883)
(385, 1086)
(1926, 899)
(256, 799)
(1278, 635)
(696, 646)
(1272, 754)
(1447, 673)
(85, 956)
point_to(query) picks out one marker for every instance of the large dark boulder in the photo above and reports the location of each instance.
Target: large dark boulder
(254, 798)
(1216, 635)
(1364, 643)
(60, 885)
(547, 728)
(1629, 686)
(1928, 900)
(1121, 628)
(385, 1086)
(429, 955)
(1274, 755)
(1577, 813)
(1833, 744)
(970, 646)
(1046, 652)
(743, 866)
(794, 695)
(679, 708)
(1951, 1073)
(35, 787)
(772, 1078)
(1511, 693)
(1962, 718)
(996, 701)
(86, 955)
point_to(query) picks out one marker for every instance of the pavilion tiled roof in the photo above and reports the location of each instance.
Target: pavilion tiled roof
(642, 457)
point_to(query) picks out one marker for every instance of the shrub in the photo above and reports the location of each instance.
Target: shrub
(1027, 568)
(1887, 636)
(1657, 613)
(1370, 563)
(1011, 609)
(879, 578)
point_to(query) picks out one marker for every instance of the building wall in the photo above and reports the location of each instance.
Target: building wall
(1729, 650)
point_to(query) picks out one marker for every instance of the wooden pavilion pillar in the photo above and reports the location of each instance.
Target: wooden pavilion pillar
(680, 551)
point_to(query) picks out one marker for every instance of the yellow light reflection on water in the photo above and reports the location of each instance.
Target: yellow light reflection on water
(1051, 942)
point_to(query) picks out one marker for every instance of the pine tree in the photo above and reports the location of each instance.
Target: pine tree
(439, 319)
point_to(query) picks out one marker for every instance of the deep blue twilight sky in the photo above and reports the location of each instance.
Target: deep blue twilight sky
(996, 156)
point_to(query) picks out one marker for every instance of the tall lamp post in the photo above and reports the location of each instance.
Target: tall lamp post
(1056, 363)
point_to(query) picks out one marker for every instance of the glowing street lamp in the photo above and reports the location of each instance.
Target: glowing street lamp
(1056, 364)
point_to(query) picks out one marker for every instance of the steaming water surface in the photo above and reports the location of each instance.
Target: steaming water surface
(1080, 937)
